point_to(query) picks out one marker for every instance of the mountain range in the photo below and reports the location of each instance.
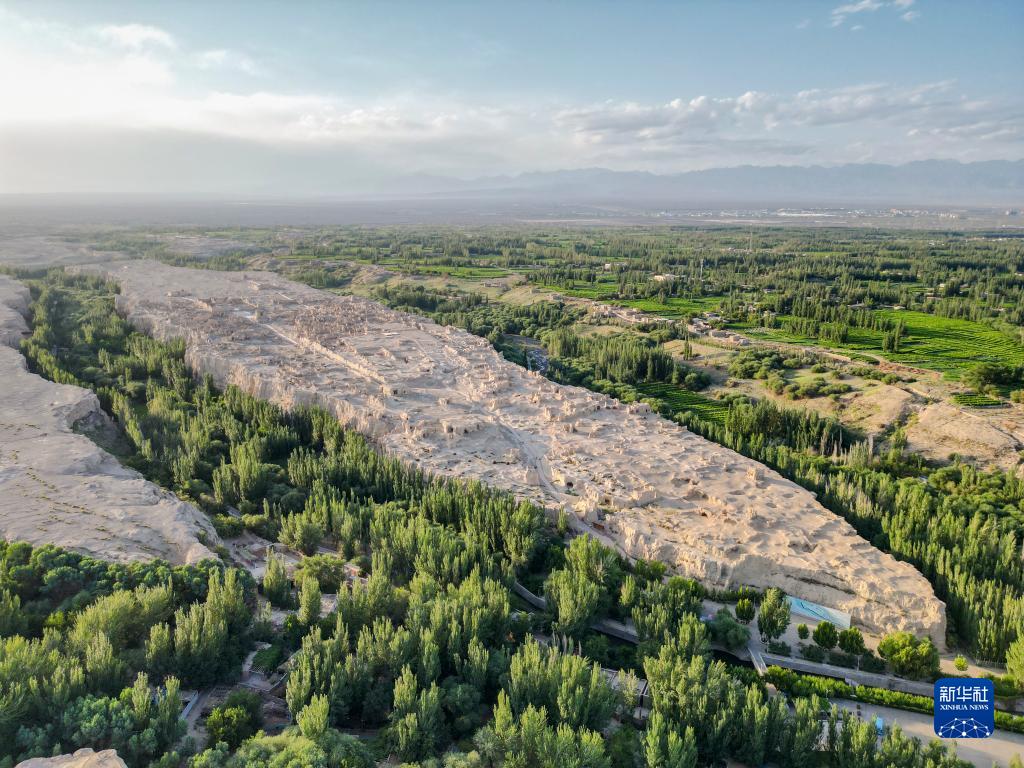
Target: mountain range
(925, 182)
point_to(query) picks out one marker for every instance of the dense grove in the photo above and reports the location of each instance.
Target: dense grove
(428, 649)
(82, 642)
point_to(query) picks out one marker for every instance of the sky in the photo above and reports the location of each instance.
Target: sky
(320, 98)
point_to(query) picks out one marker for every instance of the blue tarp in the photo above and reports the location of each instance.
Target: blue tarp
(818, 612)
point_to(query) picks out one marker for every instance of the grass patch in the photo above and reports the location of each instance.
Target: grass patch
(268, 659)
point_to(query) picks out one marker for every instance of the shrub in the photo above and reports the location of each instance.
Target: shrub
(960, 663)
(328, 570)
(813, 653)
(234, 721)
(227, 527)
(1006, 686)
(796, 684)
(726, 630)
(871, 663)
(841, 659)
(802, 631)
(780, 648)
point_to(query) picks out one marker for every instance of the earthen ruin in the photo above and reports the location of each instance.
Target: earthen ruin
(445, 400)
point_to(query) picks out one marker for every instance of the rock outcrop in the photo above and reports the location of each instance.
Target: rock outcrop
(59, 487)
(445, 400)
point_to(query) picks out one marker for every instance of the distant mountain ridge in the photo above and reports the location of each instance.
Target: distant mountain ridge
(923, 182)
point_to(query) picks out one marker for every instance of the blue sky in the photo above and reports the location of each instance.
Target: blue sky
(337, 97)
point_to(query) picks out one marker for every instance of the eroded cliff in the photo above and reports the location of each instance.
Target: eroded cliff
(58, 487)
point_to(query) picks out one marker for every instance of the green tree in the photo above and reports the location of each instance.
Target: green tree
(909, 656)
(299, 531)
(313, 718)
(159, 650)
(852, 641)
(275, 581)
(665, 747)
(745, 610)
(1015, 660)
(574, 599)
(309, 601)
(773, 618)
(573, 691)
(825, 635)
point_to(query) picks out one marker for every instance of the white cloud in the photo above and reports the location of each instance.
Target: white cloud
(136, 36)
(222, 58)
(80, 84)
(841, 12)
(858, 7)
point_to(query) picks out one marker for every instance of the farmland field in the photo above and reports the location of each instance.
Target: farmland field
(604, 289)
(683, 400)
(674, 307)
(973, 400)
(942, 344)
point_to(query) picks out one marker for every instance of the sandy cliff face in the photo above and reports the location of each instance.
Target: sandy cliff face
(14, 301)
(58, 487)
(83, 758)
(447, 401)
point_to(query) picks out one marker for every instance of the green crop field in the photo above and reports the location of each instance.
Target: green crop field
(974, 400)
(466, 272)
(684, 400)
(673, 307)
(942, 344)
(604, 288)
(949, 344)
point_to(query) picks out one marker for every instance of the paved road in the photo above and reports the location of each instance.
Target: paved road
(998, 749)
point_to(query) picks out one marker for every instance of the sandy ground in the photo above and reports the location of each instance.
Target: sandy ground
(29, 249)
(988, 436)
(447, 401)
(83, 758)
